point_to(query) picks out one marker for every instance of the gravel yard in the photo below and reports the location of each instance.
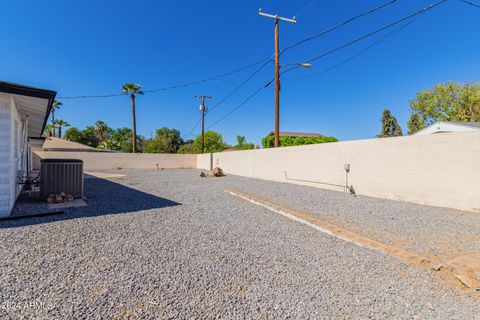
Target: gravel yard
(169, 245)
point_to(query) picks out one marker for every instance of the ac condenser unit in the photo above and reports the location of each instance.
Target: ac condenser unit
(61, 175)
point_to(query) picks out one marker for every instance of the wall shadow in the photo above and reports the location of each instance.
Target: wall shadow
(104, 197)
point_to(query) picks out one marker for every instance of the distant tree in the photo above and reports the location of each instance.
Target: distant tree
(124, 137)
(102, 130)
(165, 141)
(89, 136)
(186, 147)
(110, 144)
(269, 141)
(242, 144)
(133, 89)
(415, 123)
(55, 106)
(47, 131)
(213, 142)
(73, 134)
(390, 126)
(86, 136)
(450, 101)
(61, 123)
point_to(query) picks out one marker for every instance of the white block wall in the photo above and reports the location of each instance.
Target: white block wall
(5, 156)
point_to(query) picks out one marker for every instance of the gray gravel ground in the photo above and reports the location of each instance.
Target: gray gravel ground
(171, 245)
(431, 231)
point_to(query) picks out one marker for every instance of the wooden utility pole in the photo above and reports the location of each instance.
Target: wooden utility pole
(203, 109)
(277, 70)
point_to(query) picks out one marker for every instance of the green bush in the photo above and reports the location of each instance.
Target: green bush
(269, 141)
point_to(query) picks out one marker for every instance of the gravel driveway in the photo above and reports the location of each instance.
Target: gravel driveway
(171, 245)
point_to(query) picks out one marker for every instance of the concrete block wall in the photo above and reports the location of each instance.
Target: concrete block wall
(204, 161)
(114, 160)
(5, 156)
(438, 170)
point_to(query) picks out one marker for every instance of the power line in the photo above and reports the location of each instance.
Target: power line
(430, 7)
(223, 75)
(409, 17)
(339, 25)
(376, 43)
(241, 104)
(232, 92)
(240, 85)
(195, 127)
(305, 8)
(471, 3)
(236, 70)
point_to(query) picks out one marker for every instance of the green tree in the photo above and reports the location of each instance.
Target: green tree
(110, 144)
(242, 144)
(165, 141)
(102, 130)
(213, 142)
(450, 101)
(390, 126)
(89, 137)
(124, 138)
(73, 134)
(186, 147)
(269, 141)
(47, 131)
(415, 123)
(55, 106)
(61, 123)
(133, 89)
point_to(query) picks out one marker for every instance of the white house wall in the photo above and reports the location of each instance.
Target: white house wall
(5, 154)
(12, 155)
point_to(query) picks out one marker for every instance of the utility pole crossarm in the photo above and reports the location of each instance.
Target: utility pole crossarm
(276, 16)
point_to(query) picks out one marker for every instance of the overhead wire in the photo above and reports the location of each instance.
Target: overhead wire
(223, 75)
(406, 18)
(471, 3)
(341, 24)
(241, 104)
(371, 46)
(368, 35)
(187, 84)
(231, 93)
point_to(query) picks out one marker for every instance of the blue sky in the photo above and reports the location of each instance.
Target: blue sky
(92, 47)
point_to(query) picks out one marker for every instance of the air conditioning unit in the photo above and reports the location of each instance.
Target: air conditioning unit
(61, 175)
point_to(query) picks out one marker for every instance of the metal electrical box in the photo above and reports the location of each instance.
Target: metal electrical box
(61, 175)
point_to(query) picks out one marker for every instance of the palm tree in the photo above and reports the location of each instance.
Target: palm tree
(55, 106)
(60, 123)
(48, 130)
(101, 130)
(132, 89)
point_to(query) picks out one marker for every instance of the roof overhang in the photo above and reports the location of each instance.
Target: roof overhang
(32, 102)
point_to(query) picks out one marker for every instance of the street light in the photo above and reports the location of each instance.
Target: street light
(300, 64)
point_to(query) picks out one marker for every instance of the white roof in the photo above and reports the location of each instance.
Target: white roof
(30, 102)
(449, 126)
(57, 144)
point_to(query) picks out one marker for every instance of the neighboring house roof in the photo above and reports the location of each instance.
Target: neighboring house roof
(32, 102)
(449, 126)
(298, 134)
(466, 123)
(57, 144)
